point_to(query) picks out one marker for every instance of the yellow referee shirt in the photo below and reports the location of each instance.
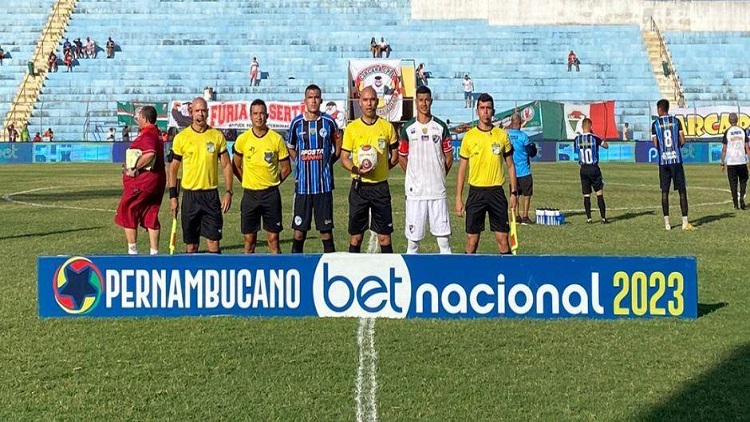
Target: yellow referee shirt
(380, 135)
(260, 159)
(485, 150)
(200, 157)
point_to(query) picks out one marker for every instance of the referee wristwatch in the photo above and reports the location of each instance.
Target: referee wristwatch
(514, 192)
(230, 193)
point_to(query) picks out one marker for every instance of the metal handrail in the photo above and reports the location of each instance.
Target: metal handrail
(664, 53)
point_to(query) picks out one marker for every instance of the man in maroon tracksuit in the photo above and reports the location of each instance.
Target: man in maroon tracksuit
(143, 184)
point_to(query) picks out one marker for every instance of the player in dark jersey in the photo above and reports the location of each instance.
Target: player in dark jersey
(668, 138)
(314, 141)
(587, 144)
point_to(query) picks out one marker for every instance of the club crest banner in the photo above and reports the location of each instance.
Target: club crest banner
(385, 77)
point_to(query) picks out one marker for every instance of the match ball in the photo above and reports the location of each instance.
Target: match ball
(367, 157)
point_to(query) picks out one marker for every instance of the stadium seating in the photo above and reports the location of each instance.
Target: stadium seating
(712, 66)
(173, 49)
(24, 20)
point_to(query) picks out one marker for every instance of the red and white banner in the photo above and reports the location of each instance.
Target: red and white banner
(385, 77)
(602, 116)
(236, 114)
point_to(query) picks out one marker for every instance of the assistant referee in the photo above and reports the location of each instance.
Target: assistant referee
(200, 148)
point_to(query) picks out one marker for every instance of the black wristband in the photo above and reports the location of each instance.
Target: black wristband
(514, 192)
(173, 192)
(230, 192)
(355, 169)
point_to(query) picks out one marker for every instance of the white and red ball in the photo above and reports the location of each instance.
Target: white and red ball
(367, 157)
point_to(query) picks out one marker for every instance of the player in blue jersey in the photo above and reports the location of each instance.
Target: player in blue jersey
(314, 141)
(587, 144)
(668, 138)
(520, 142)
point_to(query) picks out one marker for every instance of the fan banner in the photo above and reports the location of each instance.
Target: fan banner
(236, 114)
(385, 77)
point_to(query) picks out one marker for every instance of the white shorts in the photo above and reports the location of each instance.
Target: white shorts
(417, 213)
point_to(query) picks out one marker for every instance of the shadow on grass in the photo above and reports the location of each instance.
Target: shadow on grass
(49, 233)
(706, 219)
(707, 308)
(260, 247)
(631, 215)
(721, 393)
(52, 195)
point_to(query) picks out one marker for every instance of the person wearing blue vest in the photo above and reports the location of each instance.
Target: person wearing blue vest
(522, 161)
(668, 138)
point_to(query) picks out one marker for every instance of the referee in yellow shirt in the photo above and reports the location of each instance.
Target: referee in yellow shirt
(262, 163)
(199, 149)
(483, 149)
(369, 192)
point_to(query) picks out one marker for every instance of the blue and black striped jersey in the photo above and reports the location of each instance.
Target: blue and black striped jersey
(314, 142)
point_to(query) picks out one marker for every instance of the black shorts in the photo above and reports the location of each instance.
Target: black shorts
(486, 200)
(201, 216)
(257, 204)
(372, 198)
(525, 185)
(319, 203)
(670, 172)
(591, 179)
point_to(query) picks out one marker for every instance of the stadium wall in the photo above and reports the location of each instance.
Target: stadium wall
(675, 15)
(548, 151)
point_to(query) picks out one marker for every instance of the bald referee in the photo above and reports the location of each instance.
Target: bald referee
(199, 149)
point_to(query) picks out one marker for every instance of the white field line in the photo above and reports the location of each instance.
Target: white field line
(367, 383)
(8, 197)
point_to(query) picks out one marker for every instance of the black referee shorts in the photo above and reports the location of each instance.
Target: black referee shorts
(319, 204)
(262, 204)
(372, 198)
(591, 179)
(482, 201)
(670, 172)
(201, 215)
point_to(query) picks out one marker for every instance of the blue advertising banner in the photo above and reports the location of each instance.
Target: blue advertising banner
(368, 285)
(692, 152)
(15, 152)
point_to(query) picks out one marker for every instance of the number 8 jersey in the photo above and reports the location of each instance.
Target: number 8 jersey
(666, 130)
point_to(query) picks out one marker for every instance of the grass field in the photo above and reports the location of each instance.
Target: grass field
(306, 369)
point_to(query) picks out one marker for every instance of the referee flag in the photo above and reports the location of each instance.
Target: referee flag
(513, 236)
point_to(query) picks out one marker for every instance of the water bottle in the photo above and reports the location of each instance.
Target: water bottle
(556, 217)
(548, 216)
(538, 216)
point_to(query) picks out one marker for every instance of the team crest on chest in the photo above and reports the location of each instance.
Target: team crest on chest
(323, 132)
(435, 139)
(210, 147)
(382, 144)
(268, 156)
(496, 149)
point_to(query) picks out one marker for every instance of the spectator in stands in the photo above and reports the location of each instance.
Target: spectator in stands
(384, 48)
(49, 135)
(68, 60)
(37, 137)
(78, 53)
(12, 133)
(111, 135)
(2, 55)
(90, 48)
(468, 91)
(110, 48)
(25, 133)
(67, 47)
(573, 61)
(126, 133)
(374, 48)
(52, 62)
(254, 72)
(421, 76)
(626, 132)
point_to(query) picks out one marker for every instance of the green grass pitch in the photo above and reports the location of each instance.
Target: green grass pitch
(306, 369)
